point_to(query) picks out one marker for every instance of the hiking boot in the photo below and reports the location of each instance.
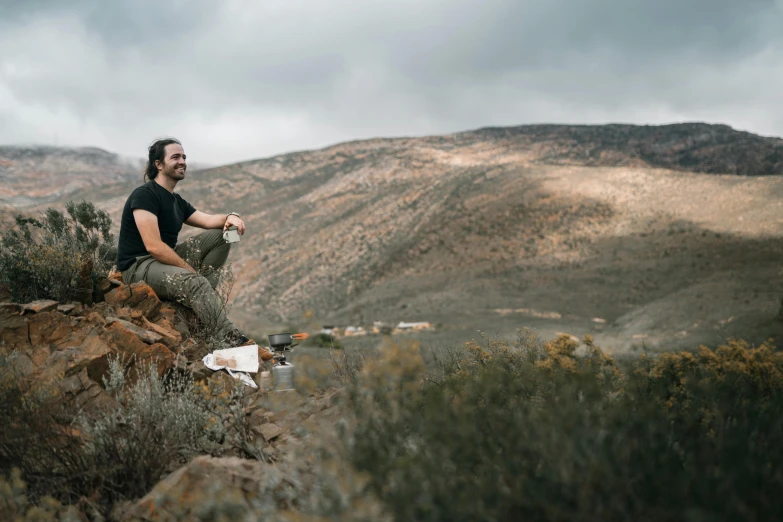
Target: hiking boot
(238, 339)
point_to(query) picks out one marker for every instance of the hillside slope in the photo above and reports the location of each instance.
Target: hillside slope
(38, 175)
(662, 235)
(462, 229)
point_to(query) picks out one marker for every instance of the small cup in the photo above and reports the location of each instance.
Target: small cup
(231, 235)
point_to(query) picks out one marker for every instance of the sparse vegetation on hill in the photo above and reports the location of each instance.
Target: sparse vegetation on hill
(693, 147)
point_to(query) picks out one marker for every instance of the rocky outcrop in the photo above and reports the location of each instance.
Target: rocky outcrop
(222, 486)
(246, 489)
(70, 345)
(138, 296)
(67, 348)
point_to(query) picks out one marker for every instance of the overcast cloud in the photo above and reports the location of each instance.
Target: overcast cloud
(238, 80)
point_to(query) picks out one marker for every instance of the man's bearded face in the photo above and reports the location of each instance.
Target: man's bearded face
(174, 165)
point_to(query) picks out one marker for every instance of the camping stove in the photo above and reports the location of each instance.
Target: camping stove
(283, 371)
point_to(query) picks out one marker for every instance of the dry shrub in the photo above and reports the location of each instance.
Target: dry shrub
(156, 425)
(14, 504)
(503, 431)
(152, 426)
(347, 364)
(559, 431)
(57, 256)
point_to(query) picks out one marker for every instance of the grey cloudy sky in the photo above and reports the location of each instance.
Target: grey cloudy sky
(241, 79)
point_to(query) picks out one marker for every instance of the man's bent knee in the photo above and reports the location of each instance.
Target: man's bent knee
(189, 282)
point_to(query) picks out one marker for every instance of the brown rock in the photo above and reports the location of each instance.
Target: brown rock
(73, 371)
(119, 295)
(137, 295)
(199, 371)
(48, 327)
(70, 385)
(127, 313)
(80, 331)
(144, 299)
(254, 403)
(168, 334)
(70, 308)
(84, 392)
(41, 305)
(128, 342)
(91, 355)
(39, 355)
(86, 396)
(14, 331)
(256, 419)
(21, 365)
(201, 484)
(10, 308)
(166, 312)
(269, 431)
(145, 335)
(95, 319)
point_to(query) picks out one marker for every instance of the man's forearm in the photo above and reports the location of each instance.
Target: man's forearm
(166, 255)
(217, 220)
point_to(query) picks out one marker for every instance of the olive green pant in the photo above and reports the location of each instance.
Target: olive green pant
(207, 253)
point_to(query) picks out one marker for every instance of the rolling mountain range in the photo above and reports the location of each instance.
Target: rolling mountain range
(655, 235)
(39, 175)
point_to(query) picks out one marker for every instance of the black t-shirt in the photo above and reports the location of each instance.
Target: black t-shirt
(171, 211)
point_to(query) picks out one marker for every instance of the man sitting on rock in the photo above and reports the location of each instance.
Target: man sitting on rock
(147, 251)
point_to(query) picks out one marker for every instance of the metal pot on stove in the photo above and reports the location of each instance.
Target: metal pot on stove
(285, 340)
(283, 371)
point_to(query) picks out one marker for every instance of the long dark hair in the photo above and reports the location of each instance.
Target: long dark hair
(157, 152)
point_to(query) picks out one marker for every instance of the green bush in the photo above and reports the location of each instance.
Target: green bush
(533, 430)
(57, 256)
(156, 425)
(557, 431)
